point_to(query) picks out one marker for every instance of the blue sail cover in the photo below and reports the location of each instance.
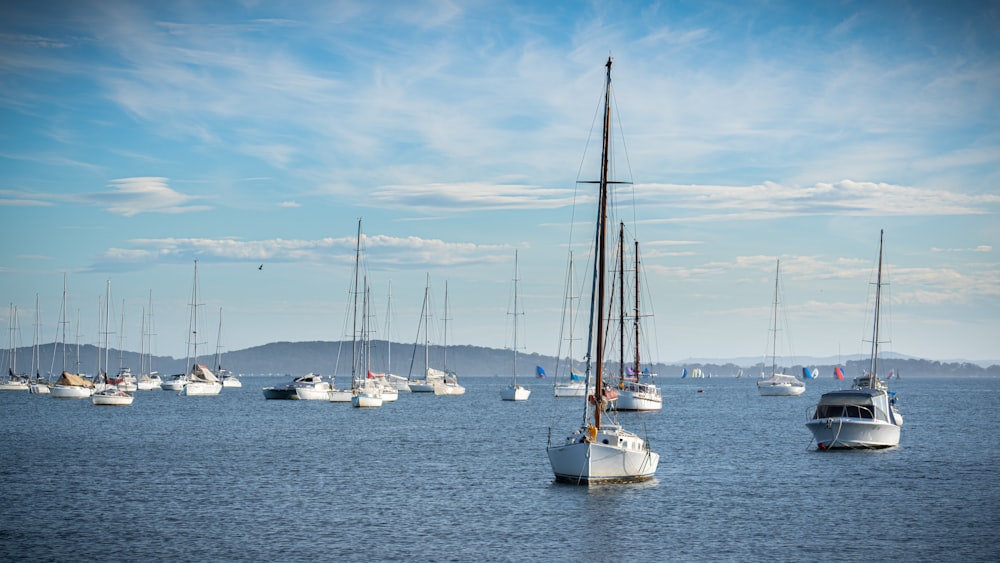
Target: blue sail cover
(540, 372)
(577, 376)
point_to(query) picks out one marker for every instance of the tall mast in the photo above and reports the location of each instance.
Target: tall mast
(637, 362)
(515, 317)
(601, 241)
(774, 333)
(621, 300)
(107, 334)
(878, 306)
(355, 358)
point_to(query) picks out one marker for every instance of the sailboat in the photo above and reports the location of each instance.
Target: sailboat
(575, 383)
(70, 385)
(13, 381)
(513, 391)
(601, 450)
(200, 381)
(365, 392)
(864, 416)
(449, 382)
(39, 385)
(634, 394)
(149, 379)
(110, 395)
(779, 384)
(228, 378)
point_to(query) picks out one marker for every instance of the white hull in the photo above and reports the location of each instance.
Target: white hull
(366, 400)
(449, 389)
(173, 385)
(848, 433)
(318, 393)
(150, 385)
(780, 385)
(14, 386)
(112, 399)
(421, 387)
(856, 418)
(390, 394)
(339, 396)
(515, 393)
(70, 392)
(612, 455)
(232, 382)
(37, 389)
(569, 389)
(781, 390)
(634, 396)
(202, 389)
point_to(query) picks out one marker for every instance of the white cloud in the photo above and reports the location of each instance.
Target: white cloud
(132, 196)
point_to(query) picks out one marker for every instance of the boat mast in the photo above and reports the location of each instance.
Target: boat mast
(601, 241)
(878, 303)
(107, 334)
(774, 332)
(621, 300)
(637, 363)
(515, 318)
(355, 360)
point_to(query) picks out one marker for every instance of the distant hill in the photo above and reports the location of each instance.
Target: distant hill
(334, 358)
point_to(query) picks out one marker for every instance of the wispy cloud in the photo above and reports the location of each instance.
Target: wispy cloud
(381, 251)
(132, 196)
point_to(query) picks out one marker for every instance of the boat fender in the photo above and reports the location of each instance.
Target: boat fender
(821, 446)
(829, 423)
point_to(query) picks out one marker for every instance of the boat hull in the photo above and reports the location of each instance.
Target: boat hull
(339, 396)
(365, 400)
(14, 386)
(112, 399)
(280, 394)
(639, 397)
(515, 393)
(421, 387)
(569, 390)
(449, 389)
(611, 456)
(39, 389)
(70, 392)
(780, 390)
(202, 389)
(319, 393)
(853, 433)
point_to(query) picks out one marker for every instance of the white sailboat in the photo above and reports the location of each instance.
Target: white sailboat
(601, 450)
(110, 395)
(39, 385)
(514, 391)
(228, 378)
(779, 384)
(200, 381)
(149, 379)
(636, 389)
(365, 392)
(449, 383)
(864, 416)
(13, 381)
(71, 385)
(575, 384)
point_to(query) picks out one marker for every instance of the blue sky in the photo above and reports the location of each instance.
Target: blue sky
(137, 138)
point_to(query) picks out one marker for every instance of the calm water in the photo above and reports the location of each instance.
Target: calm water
(236, 477)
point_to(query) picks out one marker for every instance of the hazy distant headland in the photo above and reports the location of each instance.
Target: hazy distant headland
(334, 358)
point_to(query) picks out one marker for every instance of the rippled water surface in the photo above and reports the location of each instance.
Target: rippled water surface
(426, 478)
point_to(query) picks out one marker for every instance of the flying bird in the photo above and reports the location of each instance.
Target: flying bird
(261, 267)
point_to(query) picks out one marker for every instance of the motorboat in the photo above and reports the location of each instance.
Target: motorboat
(175, 383)
(864, 416)
(312, 386)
